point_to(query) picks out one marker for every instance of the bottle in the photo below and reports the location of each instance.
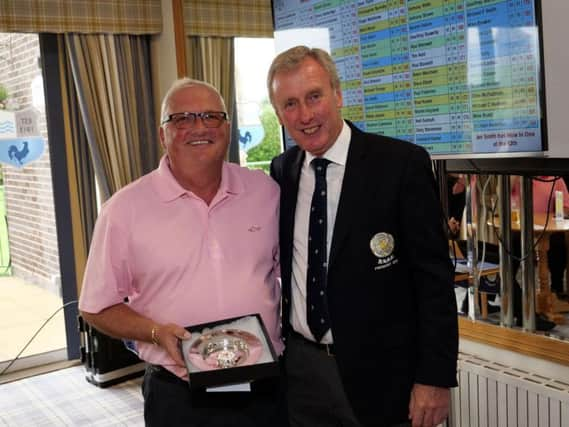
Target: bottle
(515, 212)
(559, 206)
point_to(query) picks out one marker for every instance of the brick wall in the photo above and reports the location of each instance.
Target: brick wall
(28, 190)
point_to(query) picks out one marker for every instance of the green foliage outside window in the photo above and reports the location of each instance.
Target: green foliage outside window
(270, 146)
(3, 96)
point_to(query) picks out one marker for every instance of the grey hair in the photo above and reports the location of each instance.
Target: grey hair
(290, 60)
(183, 83)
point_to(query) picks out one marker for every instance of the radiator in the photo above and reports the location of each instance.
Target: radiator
(493, 394)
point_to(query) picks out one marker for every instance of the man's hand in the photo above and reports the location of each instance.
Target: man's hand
(429, 405)
(167, 337)
(453, 226)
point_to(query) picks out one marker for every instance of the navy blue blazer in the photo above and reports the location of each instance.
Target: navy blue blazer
(393, 312)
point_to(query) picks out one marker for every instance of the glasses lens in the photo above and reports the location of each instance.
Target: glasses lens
(213, 119)
(184, 120)
(187, 120)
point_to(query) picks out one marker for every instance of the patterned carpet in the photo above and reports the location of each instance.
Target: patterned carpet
(65, 398)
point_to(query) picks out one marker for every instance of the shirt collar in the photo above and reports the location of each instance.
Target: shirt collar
(169, 189)
(338, 152)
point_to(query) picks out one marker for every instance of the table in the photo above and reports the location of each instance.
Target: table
(546, 302)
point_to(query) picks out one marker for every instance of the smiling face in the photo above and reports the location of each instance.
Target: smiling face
(308, 106)
(197, 148)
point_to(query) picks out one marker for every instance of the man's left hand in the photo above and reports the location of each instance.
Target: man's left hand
(429, 405)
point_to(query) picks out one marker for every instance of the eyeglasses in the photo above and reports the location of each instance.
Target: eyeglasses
(187, 120)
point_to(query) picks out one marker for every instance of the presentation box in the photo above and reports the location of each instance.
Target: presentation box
(230, 351)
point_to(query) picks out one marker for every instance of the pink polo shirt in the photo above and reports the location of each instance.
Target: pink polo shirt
(181, 261)
(541, 192)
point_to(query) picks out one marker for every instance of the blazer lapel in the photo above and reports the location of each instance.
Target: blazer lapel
(289, 189)
(353, 187)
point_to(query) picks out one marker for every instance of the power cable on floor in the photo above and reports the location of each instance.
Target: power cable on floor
(35, 334)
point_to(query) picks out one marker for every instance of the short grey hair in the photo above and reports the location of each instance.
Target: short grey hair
(290, 60)
(183, 83)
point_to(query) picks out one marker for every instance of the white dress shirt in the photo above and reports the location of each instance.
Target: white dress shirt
(337, 154)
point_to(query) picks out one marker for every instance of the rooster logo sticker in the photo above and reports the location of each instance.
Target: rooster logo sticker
(19, 154)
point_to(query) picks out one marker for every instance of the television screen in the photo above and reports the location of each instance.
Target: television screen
(462, 78)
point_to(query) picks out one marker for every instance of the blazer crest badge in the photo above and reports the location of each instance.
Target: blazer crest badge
(382, 246)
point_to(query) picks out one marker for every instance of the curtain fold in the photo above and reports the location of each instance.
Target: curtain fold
(80, 173)
(112, 78)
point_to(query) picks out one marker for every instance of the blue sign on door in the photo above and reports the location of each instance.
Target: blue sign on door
(19, 152)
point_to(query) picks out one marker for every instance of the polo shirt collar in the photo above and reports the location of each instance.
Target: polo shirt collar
(169, 189)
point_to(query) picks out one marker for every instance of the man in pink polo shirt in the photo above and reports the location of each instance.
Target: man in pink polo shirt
(544, 189)
(194, 241)
(543, 193)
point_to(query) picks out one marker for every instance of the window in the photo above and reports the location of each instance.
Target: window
(259, 130)
(30, 271)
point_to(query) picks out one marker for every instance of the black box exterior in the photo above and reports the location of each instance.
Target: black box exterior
(107, 361)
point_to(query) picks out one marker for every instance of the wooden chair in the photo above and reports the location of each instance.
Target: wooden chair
(461, 277)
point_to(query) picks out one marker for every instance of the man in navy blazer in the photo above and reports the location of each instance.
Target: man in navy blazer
(389, 356)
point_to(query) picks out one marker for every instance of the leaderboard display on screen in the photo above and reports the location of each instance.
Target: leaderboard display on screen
(458, 77)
